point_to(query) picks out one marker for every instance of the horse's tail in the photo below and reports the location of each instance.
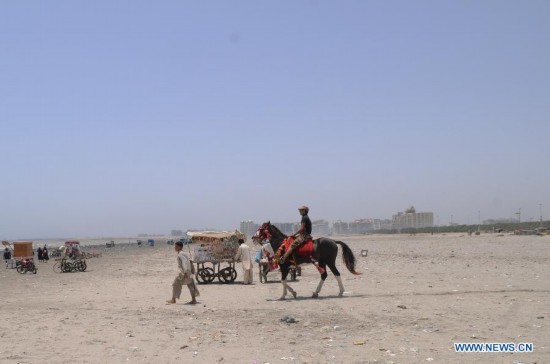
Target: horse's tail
(348, 257)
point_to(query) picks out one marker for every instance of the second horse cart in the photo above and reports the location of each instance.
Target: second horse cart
(213, 253)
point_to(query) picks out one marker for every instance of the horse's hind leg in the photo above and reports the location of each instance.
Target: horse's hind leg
(336, 273)
(323, 277)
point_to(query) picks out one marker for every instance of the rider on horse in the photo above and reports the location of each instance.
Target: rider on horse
(302, 235)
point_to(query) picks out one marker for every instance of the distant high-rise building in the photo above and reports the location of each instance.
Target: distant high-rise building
(360, 226)
(248, 228)
(386, 224)
(340, 227)
(320, 228)
(412, 219)
(176, 233)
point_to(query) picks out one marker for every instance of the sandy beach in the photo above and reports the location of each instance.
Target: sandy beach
(417, 296)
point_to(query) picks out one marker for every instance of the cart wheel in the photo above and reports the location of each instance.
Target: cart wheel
(205, 275)
(57, 267)
(227, 275)
(81, 266)
(21, 269)
(35, 270)
(224, 275)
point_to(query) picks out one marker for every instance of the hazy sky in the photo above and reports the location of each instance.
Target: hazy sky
(126, 117)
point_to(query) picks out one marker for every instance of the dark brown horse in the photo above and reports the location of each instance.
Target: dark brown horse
(324, 252)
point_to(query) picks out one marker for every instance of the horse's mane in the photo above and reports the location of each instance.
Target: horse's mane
(277, 230)
(277, 234)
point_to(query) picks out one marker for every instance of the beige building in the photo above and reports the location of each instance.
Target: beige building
(412, 219)
(360, 226)
(320, 228)
(340, 227)
(248, 228)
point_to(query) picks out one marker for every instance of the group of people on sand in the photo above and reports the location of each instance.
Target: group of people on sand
(186, 270)
(43, 254)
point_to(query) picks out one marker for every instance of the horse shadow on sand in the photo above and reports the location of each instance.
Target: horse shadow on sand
(327, 297)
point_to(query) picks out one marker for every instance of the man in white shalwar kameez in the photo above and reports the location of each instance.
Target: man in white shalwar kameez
(185, 276)
(243, 255)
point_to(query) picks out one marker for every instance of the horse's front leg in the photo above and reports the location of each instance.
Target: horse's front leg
(286, 287)
(320, 285)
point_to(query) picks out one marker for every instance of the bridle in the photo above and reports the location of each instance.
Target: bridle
(262, 233)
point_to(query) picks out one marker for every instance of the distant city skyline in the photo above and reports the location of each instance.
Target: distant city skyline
(514, 218)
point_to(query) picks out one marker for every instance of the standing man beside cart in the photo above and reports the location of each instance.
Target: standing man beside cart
(243, 255)
(185, 276)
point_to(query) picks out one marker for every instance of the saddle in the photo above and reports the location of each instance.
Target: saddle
(304, 250)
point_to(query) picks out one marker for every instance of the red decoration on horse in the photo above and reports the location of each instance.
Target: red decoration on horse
(304, 250)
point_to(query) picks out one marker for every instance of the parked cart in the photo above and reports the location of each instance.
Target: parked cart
(73, 260)
(217, 248)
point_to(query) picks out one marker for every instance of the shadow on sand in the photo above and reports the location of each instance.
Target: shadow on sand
(328, 297)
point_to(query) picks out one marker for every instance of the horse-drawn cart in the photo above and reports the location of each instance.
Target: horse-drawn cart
(216, 248)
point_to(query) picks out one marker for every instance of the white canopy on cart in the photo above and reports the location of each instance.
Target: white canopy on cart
(212, 236)
(214, 246)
